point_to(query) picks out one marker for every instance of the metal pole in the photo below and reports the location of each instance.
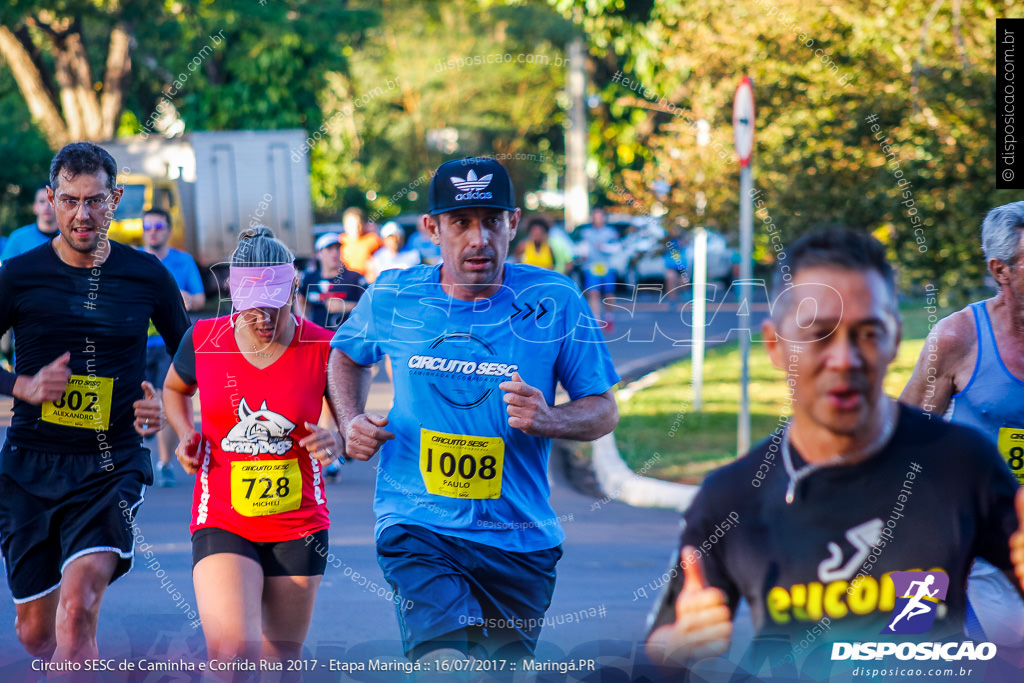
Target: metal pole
(700, 282)
(743, 314)
(577, 203)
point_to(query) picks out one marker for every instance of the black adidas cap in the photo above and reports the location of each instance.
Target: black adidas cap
(472, 182)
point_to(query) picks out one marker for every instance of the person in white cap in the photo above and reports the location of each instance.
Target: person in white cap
(328, 294)
(391, 255)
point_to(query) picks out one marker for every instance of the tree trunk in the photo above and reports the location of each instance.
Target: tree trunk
(30, 81)
(83, 112)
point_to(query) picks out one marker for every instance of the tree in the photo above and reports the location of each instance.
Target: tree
(858, 103)
(435, 81)
(46, 47)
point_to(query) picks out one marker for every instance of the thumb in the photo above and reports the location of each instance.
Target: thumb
(64, 359)
(516, 377)
(149, 391)
(693, 570)
(377, 419)
(311, 427)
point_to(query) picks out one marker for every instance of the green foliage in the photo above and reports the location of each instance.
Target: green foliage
(431, 82)
(238, 64)
(26, 158)
(928, 78)
(660, 419)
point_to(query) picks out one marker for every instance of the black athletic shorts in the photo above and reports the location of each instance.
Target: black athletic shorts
(157, 363)
(447, 587)
(301, 557)
(57, 508)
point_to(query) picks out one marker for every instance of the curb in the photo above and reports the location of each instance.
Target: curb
(606, 473)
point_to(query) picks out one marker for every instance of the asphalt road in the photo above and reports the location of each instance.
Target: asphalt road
(614, 556)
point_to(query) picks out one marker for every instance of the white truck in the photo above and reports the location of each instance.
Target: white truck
(214, 185)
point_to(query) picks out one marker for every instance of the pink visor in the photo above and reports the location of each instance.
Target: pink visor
(261, 286)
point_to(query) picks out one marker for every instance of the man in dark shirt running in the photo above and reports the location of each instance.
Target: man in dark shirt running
(812, 525)
(73, 470)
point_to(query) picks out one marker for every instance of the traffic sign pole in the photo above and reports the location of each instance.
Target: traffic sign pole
(743, 117)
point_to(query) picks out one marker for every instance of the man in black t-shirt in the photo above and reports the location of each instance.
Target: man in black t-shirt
(810, 526)
(73, 469)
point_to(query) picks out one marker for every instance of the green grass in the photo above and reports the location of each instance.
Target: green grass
(661, 436)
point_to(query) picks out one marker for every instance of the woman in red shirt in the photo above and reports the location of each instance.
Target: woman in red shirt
(259, 509)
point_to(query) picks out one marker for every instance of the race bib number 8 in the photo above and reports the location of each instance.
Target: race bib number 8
(461, 466)
(1011, 445)
(85, 403)
(265, 487)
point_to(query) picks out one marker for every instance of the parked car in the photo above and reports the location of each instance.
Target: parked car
(640, 259)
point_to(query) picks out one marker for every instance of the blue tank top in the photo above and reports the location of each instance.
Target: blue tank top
(993, 400)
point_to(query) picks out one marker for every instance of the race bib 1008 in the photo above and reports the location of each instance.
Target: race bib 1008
(461, 466)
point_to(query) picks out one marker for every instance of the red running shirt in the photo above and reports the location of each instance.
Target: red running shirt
(254, 479)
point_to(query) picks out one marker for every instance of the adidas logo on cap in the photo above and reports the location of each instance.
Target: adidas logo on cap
(469, 183)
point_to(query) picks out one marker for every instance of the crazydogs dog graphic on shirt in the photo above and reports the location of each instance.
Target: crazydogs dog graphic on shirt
(259, 431)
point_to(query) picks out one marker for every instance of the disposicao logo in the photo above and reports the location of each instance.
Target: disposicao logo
(917, 598)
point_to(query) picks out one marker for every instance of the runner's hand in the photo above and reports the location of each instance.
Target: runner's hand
(365, 435)
(703, 623)
(1017, 541)
(323, 444)
(188, 452)
(527, 408)
(46, 385)
(149, 412)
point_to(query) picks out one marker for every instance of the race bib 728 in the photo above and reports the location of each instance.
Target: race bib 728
(265, 487)
(461, 466)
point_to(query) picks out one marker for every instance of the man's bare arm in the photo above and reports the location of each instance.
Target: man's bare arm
(947, 348)
(348, 385)
(585, 419)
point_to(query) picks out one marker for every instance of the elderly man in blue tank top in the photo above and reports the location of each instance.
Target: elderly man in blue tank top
(971, 371)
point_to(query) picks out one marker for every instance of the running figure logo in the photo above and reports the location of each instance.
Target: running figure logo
(917, 598)
(259, 431)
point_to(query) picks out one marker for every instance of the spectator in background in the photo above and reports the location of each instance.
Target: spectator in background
(536, 250)
(391, 254)
(156, 233)
(599, 242)
(329, 293)
(33, 234)
(422, 243)
(562, 248)
(357, 244)
(678, 259)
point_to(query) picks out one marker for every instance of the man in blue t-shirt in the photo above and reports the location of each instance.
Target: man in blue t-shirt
(156, 233)
(465, 532)
(33, 234)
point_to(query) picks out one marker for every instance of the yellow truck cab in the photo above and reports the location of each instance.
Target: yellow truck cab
(140, 193)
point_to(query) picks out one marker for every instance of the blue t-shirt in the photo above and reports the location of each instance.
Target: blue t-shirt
(449, 418)
(186, 273)
(23, 239)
